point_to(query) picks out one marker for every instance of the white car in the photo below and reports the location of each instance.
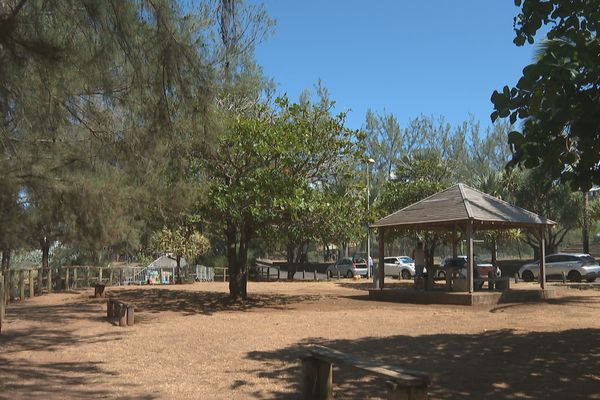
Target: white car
(400, 266)
(346, 267)
(575, 266)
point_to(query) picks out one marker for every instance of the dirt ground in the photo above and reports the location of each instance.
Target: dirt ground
(189, 343)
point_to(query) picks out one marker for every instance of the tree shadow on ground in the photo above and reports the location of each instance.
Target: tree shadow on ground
(502, 364)
(206, 303)
(24, 377)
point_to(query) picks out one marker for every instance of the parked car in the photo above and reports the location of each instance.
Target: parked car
(482, 268)
(576, 266)
(347, 267)
(399, 266)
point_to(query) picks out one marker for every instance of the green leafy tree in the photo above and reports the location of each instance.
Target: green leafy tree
(182, 243)
(264, 168)
(534, 191)
(557, 96)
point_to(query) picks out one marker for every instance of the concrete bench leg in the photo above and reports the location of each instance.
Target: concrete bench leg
(130, 315)
(317, 379)
(396, 391)
(122, 314)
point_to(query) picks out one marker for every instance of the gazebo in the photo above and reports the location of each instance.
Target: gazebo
(462, 208)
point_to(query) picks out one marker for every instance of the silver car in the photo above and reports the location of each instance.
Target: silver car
(347, 267)
(575, 266)
(400, 266)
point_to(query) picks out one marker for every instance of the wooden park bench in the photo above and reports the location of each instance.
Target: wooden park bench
(121, 311)
(317, 375)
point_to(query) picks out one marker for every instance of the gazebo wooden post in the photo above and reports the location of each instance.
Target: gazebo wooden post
(381, 273)
(454, 242)
(542, 275)
(470, 255)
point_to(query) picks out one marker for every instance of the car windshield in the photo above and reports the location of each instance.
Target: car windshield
(588, 260)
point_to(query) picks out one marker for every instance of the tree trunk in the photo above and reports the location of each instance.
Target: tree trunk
(45, 247)
(291, 265)
(178, 271)
(237, 257)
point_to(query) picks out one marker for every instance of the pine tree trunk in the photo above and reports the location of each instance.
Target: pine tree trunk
(45, 258)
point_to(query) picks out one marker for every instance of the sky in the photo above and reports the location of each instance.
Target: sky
(401, 57)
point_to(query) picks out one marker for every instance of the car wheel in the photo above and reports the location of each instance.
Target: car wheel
(574, 276)
(349, 274)
(405, 274)
(527, 276)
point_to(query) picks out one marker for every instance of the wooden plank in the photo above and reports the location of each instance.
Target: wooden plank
(405, 375)
(542, 274)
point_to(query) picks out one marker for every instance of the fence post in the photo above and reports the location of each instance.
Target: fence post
(11, 285)
(303, 273)
(278, 274)
(564, 277)
(315, 273)
(21, 285)
(112, 273)
(67, 278)
(121, 277)
(87, 277)
(100, 276)
(74, 277)
(268, 273)
(49, 279)
(40, 281)
(31, 284)
(224, 274)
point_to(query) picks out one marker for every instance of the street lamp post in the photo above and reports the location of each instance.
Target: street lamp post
(369, 161)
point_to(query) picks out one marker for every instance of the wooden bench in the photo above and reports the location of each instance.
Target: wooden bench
(124, 312)
(317, 375)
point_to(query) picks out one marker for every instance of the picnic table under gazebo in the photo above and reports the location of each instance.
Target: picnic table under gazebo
(462, 208)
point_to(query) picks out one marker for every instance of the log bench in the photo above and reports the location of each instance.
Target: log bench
(317, 375)
(121, 311)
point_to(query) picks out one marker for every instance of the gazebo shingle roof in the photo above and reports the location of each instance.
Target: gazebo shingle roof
(462, 203)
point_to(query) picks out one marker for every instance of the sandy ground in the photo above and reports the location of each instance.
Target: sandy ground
(189, 343)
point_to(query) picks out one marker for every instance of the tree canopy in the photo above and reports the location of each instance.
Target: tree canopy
(558, 97)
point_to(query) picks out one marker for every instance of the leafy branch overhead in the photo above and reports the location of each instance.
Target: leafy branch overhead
(558, 97)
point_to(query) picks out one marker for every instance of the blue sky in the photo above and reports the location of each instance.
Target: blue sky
(434, 57)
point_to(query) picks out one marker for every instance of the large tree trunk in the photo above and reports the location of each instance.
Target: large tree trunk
(291, 265)
(238, 258)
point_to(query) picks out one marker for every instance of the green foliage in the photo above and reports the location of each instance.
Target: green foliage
(180, 242)
(557, 96)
